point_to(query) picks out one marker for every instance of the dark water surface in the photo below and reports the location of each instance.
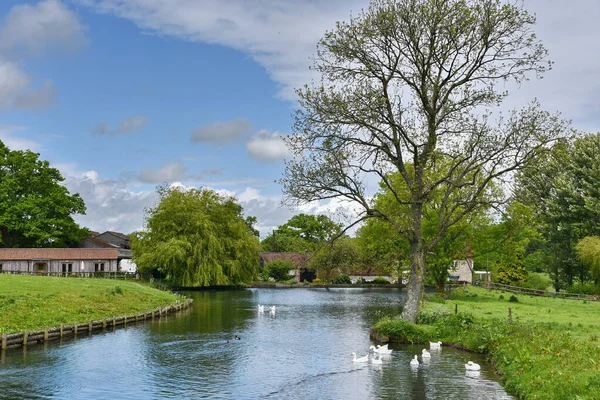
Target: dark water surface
(301, 352)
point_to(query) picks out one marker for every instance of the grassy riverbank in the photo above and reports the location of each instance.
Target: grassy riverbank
(551, 350)
(38, 302)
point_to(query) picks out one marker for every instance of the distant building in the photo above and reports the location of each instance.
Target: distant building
(59, 261)
(366, 277)
(461, 271)
(112, 240)
(299, 261)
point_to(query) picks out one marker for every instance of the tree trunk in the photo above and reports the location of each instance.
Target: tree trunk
(415, 283)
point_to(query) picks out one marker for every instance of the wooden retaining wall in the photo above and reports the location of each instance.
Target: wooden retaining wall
(27, 338)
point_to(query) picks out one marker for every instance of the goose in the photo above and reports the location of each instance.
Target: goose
(359, 360)
(471, 366)
(376, 361)
(383, 350)
(425, 354)
(272, 309)
(414, 362)
(261, 309)
(435, 345)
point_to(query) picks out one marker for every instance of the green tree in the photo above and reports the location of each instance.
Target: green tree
(197, 237)
(407, 81)
(279, 269)
(35, 208)
(588, 252)
(511, 270)
(302, 233)
(340, 256)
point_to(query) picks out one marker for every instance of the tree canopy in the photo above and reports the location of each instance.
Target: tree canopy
(35, 208)
(197, 237)
(403, 83)
(302, 233)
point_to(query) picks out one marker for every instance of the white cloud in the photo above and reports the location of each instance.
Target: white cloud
(279, 35)
(221, 132)
(16, 143)
(128, 126)
(47, 24)
(268, 147)
(16, 91)
(167, 173)
(132, 124)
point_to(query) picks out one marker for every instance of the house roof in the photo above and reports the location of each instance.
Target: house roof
(101, 242)
(300, 260)
(119, 235)
(58, 254)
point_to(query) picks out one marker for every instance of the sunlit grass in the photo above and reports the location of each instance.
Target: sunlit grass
(38, 302)
(581, 318)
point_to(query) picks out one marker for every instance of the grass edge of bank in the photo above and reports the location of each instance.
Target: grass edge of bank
(534, 361)
(38, 302)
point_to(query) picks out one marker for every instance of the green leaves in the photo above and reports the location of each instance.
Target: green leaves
(35, 208)
(197, 238)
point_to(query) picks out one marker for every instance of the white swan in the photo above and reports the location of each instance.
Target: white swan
(359, 360)
(425, 354)
(272, 309)
(384, 347)
(414, 362)
(471, 366)
(261, 309)
(376, 361)
(383, 350)
(435, 345)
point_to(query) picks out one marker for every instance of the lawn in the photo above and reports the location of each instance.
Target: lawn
(38, 302)
(581, 318)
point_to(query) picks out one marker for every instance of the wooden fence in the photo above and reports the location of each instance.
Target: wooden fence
(536, 292)
(26, 338)
(99, 274)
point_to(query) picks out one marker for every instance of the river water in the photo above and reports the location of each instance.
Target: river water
(300, 352)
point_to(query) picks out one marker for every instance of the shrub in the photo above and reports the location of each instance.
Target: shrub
(501, 297)
(118, 290)
(584, 288)
(537, 281)
(279, 269)
(402, 331)
(431, 316)
(513, 299)
(380, 281)
(317, 281)
(342, 279)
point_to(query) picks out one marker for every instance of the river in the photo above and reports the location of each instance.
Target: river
(300, 352)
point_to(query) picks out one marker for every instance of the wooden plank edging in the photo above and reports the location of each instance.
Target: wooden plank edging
(26, 338)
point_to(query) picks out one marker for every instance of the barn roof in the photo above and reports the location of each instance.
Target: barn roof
(58, 254)
(300, 260)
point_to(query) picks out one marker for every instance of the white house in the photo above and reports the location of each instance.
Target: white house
(461, 271)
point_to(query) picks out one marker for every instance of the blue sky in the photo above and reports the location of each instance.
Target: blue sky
(122, 95)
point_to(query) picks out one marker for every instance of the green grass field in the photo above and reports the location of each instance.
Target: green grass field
(581, 318)
(38, 302)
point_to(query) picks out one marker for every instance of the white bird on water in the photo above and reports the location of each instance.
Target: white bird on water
(272, 309)
(414, 362)
(425, 354)
(471, 366)
(435, 345)
(376, 361)
(261, 309)
(359, 360)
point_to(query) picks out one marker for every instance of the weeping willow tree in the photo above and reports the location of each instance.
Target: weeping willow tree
(588, 252)
(197, 237)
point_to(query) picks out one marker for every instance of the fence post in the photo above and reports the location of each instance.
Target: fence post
(4, 341)
(25, 334)
(509, 315)
(456, 309)
(45, 335)
(61, 330)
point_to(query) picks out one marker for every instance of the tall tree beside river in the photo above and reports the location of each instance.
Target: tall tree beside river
(197, 237)
(404, 82)
(35, 208)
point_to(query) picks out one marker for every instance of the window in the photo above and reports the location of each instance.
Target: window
(64, 268)
(96, 266)
(102, 267)
(67, 267)
(99, 267)
(70, 267)
(0, 267)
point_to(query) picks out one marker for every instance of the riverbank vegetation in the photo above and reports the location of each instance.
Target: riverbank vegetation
(39, 302)
(550, 350)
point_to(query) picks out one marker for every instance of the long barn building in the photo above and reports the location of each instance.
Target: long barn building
(56, 261)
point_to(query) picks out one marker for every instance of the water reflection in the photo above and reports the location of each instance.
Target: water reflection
(301, 352)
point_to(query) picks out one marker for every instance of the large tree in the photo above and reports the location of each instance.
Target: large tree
(35, 208)
(302, 233)
(406, 84)
(197, 237)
